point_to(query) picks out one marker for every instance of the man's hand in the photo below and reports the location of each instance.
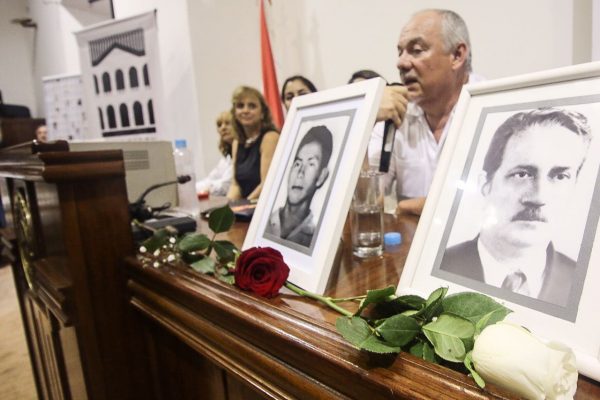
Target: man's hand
(411, 206)
(393, 104)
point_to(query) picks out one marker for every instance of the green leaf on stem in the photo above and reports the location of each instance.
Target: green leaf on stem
(474, 307)
(375, 345)
(225, 250)
(399, 330)
(402, 304)
(490, 319)
(409, 313)
(229, 279)
(424, 350)
(157, 240)
(451, 336)
(476, 377)
(205, 266)
(193, 242)
(221, 219)
(429, 353)
(433, 305)
(360, 334)
(375, 296)
(417, 349)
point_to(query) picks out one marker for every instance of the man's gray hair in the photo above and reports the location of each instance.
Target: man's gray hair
(455, 32)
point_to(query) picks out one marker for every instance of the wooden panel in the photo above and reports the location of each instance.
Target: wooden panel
(18, 130)
(239, 390)
(51, 369)
(181, 373)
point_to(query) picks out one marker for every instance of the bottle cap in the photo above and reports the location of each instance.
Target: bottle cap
(392, 238)
(180, 144)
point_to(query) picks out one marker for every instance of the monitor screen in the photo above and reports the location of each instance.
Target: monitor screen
(146, 163)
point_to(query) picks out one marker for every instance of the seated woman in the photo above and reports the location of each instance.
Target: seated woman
(364, 74)
(253, 148)
(293, 86)
(219, 179)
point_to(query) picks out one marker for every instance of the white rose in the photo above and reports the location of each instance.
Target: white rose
(511, 357)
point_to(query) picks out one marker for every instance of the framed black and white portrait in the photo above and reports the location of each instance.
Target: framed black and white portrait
(514, 207)
(307, 192)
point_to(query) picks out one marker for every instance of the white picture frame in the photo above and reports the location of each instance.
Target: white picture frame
(348, 113)
(457, 207)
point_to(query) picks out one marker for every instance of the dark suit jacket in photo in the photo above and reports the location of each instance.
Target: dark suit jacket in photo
(463, 259)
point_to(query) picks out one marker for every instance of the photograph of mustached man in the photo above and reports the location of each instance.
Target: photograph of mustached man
(307, 174)
(528, 180)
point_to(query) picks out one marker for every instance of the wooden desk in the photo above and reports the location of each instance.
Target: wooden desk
(231, 343)
(99, 329)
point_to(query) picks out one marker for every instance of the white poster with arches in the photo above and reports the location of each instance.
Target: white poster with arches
(121, 79)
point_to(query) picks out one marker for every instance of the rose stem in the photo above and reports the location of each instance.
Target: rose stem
(325, 300)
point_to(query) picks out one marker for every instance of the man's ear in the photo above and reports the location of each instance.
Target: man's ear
(322, 177)
(459, 56)
(483, 183)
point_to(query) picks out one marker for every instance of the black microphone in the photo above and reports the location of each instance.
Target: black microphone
(389, 133)
(138, 209)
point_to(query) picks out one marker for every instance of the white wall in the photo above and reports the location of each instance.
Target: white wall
(16, 56)
(327, 40)
(55, 48)
(180, 102)
(339, 37)
(211, 46)
(226, 53)
(596, 30)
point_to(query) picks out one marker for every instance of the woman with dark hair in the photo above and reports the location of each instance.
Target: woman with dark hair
(363, 75)
(293, 86)
(253, 148)
(219, 179)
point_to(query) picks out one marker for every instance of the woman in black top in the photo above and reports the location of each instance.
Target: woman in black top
(256, 141)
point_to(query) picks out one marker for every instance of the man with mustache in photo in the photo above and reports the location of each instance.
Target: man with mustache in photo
(308, 173)
(529, 175)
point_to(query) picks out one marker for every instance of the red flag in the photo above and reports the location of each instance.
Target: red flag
(270, 87)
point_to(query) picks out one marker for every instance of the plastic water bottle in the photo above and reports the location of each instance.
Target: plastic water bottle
(184, 165)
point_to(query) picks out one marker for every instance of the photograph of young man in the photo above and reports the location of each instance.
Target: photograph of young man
(307, 174)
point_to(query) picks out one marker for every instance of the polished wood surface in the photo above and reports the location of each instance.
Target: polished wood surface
(287, 347)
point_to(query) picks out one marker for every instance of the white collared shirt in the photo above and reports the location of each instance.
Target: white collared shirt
(494, 272)
(217, 182)
(415, 154)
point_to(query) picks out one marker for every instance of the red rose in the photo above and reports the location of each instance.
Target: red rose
(261, 270)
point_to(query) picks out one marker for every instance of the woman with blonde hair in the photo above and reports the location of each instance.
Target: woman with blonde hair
(217, 182)
(253, 148)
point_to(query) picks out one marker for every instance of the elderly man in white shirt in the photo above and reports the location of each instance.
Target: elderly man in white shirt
(434, 60)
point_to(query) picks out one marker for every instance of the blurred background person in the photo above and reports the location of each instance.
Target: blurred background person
(363, 75)
(293, 86)
(41, 133)
(219, 179)
(254, 145)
